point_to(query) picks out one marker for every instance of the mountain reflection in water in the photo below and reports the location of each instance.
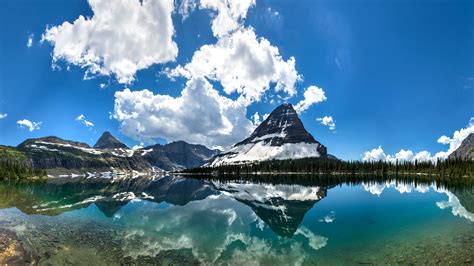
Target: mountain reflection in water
(216, 221)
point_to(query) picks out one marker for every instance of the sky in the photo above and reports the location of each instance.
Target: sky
(369, 79)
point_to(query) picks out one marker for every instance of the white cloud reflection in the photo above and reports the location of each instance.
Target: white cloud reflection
(453, 201)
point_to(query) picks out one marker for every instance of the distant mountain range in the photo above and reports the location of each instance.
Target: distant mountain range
(109, 155)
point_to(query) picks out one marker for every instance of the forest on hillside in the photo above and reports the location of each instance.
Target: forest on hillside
(448, 169)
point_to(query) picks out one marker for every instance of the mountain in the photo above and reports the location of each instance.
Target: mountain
(177, 155)
(465, 150)
(109, 155)
(281, 136)
(63, 156)
(107, 141)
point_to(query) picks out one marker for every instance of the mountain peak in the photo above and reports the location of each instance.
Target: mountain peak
(281, 136)
(107, 141)
(282, 126)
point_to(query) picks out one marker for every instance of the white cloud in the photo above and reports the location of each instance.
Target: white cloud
(257, 119)
(230, 14)
(403, 156)
(408, 155)
(29, 43)
(122, 37)
(378, 154)
(374, 155)
(82, 119)
(456, 140)
(243, 64)
(198, 115)
(2, 116)
(423, 156)
(185, 7)
(31, 126)
(444, 140)
(312, 95)
(327, 121)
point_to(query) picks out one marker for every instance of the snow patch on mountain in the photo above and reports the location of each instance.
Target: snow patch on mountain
(262, 151)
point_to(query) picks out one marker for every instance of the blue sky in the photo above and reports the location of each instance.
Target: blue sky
(399, 74)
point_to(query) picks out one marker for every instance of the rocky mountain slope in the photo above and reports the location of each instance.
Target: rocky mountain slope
(177, 155)
(59, 155)
(281, 136)
(109, 155)
(465, 150)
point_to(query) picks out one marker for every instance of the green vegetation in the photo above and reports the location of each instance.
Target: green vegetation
(445, 170)
(11, 153)
(15, 165)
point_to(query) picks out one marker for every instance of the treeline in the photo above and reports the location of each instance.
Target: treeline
(13, 169)
(446, 169)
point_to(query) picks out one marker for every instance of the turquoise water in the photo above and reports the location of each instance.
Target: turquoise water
(177, 220)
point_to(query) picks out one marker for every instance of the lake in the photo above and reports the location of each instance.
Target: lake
(182, 220)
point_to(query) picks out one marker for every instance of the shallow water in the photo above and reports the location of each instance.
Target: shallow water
(96, 221)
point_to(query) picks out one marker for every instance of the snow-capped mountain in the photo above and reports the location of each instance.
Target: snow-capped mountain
(281, 136)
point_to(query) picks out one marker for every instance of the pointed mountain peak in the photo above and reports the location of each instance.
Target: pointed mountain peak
(281, 136)
(282, 126)
(107, 141)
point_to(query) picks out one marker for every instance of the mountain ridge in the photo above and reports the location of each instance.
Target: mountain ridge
(59, 156)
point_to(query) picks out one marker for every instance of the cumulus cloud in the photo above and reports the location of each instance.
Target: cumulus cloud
(31, 126)
(375, 155)
(29, 43)
(454, 142)
(327, 121)
(198, 115)
(2, 116)
(243, 64)
(121, 37)
(378, 154)
(312, 95)
(82, 119)
(230, 14)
